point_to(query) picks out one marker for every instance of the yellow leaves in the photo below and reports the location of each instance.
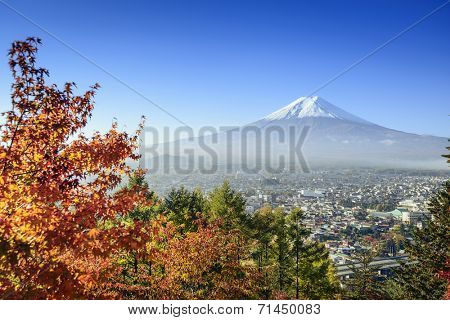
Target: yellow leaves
(13, 187)
(37, 157)
(76, 155)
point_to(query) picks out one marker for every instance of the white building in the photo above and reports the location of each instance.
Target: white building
(408, 205)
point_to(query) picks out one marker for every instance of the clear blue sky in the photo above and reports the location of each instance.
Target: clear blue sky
(232, 62)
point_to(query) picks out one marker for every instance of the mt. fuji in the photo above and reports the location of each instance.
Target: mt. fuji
(334, 138)
(337, 137)
(315, 106)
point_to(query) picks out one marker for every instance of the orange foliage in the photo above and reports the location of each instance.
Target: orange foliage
(205, 265)
(66, 229)
(199, 265)
(55, 190)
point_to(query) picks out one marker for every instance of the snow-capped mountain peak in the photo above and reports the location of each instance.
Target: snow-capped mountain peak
(309, 107)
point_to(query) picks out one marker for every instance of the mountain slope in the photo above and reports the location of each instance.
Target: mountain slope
(337, 137)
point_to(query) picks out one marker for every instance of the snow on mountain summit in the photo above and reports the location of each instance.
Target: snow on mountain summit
(313, 106)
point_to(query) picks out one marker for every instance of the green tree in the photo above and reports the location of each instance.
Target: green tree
(262, 224)
(298, 233)
(143, 213)
(281, 248)
(311, 266)
(318, 279)
(228, 205)
(447, 155)
(364, 284)
(184, 207)
(139, 213)
(426, 276)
